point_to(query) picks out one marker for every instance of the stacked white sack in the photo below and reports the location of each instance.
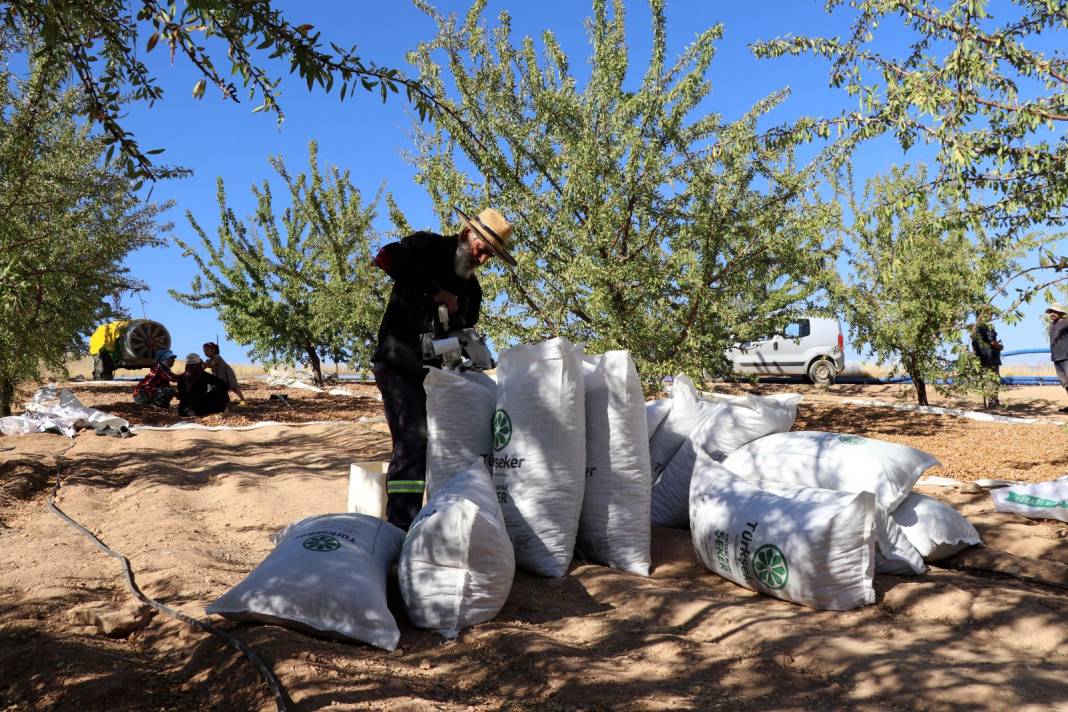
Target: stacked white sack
(937, 530)
(894, 553)
(814, 550)
(539, 452)
(685, 414)
(728, 424)
(459, 413)
(326, 576)
(655, 412)
(614, 526)
(849, 463)
(457, 564)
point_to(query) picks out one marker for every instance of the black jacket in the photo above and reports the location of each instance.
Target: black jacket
(201, 394)
(983, 338)
(1058, 340)
(420, 265)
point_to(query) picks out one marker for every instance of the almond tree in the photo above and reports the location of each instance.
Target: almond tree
(67, 224)
(642, 221)
(919, 271)
(299, 286)
(99, 44)
(988, 91)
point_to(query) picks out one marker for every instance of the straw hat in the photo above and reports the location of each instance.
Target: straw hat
(493, 229)
(193, 358)
(1057, 307)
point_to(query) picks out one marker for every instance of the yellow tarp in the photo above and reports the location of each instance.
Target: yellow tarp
(105, 336)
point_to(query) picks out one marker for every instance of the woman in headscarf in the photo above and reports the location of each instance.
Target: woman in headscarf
(155, 389)
(222, 370)
(199, 392)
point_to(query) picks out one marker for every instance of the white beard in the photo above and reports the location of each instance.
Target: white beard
(462, 261)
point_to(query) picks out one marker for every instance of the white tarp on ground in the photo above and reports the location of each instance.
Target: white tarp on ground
(1042, 500)
(302, 380)
(52, 408)
(363, 420)
(959, 412)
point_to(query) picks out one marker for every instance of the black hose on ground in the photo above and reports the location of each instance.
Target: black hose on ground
(261, 667)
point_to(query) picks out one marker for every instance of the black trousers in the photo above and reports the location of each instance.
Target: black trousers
(404, 401)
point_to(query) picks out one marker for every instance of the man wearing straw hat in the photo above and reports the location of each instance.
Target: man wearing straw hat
(1058, 343)
(427, 270)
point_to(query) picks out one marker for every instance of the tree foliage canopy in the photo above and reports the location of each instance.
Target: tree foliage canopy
(980, 88)
(642, 222)
(919, 271)
(99, 42)
(299, 286)
(66, 225)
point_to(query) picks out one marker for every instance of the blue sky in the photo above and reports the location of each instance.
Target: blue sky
(217, 138)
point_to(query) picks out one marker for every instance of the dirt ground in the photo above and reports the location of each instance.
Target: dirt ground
(193, 511)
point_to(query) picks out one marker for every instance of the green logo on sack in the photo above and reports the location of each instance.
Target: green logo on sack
(502, 430)
(322, 542)
(852, 439)
(1033, 501)
(770, 567)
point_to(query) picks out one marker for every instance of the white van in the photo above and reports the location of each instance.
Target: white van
(811, 346)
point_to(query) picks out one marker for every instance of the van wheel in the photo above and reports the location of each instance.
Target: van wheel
(821, 372)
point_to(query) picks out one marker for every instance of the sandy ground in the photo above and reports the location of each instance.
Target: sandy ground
(193, 511)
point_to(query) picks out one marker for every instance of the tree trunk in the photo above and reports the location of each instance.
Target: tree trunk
(7, 394)
(316, 365)
(921, 390)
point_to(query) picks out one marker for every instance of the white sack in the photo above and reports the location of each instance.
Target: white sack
(850, 463)
(655, 412)
(818, 553)
(326, 576)
(686, 413)
(459, 415)
(747, 418)
(671, 492)
(457, 564)
(1043, 500)
(729, 423)
(937, 530)
(539, 452)
(894, 553)
(614, 525)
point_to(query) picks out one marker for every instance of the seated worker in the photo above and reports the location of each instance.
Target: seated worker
(221, 370)
(155, 389)
(199, 392)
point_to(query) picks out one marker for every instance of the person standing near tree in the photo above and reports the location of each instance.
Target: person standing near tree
(1058, 343)
(427, 270)
(987, 348)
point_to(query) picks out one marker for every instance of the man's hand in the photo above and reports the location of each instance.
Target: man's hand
(448, 299)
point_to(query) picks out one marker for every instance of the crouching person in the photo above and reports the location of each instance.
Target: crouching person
(155, 389)
(199, 392)
(222, 370)
(427, 270)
